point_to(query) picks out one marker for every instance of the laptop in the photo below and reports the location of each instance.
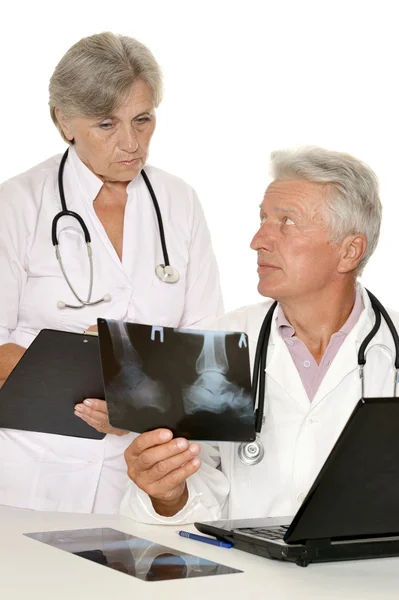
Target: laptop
(351, 510)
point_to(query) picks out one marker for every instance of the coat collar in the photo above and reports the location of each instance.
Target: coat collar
(88, 182)
(281, 368)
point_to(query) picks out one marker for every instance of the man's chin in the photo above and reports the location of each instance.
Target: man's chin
(268, 291)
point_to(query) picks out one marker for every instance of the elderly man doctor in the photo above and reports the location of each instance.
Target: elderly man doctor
(319, 225)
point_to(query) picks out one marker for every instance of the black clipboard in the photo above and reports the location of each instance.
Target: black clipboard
(57, 371)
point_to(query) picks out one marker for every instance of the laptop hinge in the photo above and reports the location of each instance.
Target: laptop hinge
(311, 551)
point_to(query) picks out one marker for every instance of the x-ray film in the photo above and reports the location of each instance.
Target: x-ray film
(131, 555)
(195, 383)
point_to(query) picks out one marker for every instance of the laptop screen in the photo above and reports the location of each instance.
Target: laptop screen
(356, 493)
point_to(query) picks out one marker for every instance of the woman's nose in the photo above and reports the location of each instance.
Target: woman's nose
(128, 140)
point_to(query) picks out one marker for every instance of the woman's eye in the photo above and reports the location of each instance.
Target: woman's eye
(262, 220)
(141, 122)
(105, 125)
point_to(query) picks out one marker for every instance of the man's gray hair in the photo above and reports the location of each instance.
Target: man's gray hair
(353, 205)
(96, 73)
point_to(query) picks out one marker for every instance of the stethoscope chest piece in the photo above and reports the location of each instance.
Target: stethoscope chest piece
(251, 453)
(167, 274)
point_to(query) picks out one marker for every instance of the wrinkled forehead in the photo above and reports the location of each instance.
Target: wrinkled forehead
(298, 194)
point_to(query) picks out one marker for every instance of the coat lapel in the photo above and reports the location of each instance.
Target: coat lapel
(281, 369)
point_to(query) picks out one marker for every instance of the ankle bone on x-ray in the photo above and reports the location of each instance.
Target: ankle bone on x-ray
(131, 385)
(212, 391)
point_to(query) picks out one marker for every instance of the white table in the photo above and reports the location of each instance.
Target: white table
(30, 570)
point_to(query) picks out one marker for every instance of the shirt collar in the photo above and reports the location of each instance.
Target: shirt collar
(286, 330)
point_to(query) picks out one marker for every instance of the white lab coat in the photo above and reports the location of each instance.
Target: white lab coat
(297, 434)
(49, 472)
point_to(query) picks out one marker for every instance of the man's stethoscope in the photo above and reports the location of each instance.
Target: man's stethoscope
(251, 453)
(165, 272)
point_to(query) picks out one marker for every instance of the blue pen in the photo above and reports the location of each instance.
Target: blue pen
(206, 540)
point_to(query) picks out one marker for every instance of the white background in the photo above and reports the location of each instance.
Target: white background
(241, 79)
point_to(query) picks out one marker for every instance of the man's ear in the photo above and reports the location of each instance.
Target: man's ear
(65, 124)
(352, 250)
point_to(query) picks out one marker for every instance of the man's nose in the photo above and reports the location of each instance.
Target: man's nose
(263, 238)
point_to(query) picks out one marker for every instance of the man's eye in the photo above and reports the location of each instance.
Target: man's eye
(288, 221)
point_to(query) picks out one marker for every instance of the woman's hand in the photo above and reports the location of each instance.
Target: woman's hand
(95, 413)
(91, 329)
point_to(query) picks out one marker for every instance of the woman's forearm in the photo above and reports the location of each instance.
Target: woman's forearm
(10, 354)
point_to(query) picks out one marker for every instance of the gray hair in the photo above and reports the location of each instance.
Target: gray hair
(354, 205)
(96, 73)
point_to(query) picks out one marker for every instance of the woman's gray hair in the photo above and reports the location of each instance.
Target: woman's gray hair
(96, 73)
(353, 205)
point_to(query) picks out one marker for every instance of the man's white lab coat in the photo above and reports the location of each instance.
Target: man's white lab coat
(297, 435)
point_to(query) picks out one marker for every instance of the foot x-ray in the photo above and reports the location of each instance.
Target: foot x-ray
(131, 555)
(196, 383)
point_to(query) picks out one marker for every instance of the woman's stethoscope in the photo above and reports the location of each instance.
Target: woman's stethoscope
(251, 453)
(165, 272)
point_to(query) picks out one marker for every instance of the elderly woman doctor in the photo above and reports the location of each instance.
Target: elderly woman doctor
(131, 243)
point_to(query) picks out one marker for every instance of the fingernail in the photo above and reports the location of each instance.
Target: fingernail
(194, 448)
(196, 462)
(182, 444)
(87, 402)
(165, 435)
(78, 408)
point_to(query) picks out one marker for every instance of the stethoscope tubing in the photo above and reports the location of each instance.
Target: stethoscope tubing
(259, 370)
(165, 272)
(68, 213)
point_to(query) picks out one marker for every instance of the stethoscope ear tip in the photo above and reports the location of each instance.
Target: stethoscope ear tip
(61, 304)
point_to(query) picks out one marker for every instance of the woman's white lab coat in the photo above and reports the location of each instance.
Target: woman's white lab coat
(48, 472)
(297, 435)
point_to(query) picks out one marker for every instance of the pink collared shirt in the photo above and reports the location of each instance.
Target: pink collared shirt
(310, 372)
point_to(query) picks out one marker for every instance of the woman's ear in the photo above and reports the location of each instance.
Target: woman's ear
(65, 124)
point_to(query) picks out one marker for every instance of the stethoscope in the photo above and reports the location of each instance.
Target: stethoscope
(251, 453)
(165, 271)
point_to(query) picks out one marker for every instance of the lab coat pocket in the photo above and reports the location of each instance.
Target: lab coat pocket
(69, 471)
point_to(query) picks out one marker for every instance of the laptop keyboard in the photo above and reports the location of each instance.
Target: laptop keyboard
(266, 533)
